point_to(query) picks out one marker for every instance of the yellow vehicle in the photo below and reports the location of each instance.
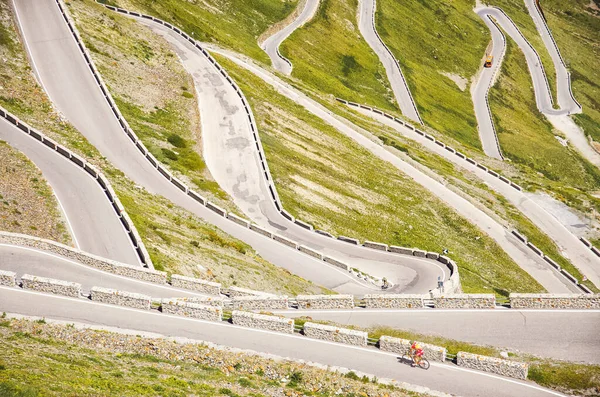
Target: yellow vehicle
(488, 61)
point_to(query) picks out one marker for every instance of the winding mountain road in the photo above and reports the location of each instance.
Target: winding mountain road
(272, 43)
(447, 377)
(366, 25)
(568, 243)
(92, 221)
(560, 118)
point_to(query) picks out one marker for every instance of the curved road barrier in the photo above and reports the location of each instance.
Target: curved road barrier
(266, 172)
(588, 263)
(61, 175)
(512, 369)
(366, 25)
(567, 104)
(272, 43)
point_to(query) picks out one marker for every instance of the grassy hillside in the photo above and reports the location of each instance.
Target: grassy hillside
(38, 359)
(163, 111)
(575, 26)
(236, 24)
(327, 179)
(177, 240)
(27, 203)
(329, 55)
(446, 40)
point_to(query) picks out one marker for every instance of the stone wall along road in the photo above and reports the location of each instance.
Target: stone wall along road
(465, 301)
(325, 301)
(402, 346)
(190, 309)
(262, 321)
(121, 298)
(498, 366)
(50, 285)
(335, 334)
(394, 301)
(554, 301)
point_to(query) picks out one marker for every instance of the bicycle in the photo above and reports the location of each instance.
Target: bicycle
(423, 363)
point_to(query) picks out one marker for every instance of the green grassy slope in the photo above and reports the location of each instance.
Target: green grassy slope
(235, 24)
(330, 55)
(311, 164)
(447, 37)
(575, 26)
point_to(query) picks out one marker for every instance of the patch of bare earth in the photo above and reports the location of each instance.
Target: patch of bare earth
(27, 204)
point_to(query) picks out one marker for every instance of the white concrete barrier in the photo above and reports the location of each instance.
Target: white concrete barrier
(337, 263)
(494, 365)
(335, 334)
(262, 321)
(310, 251)
(51, 286)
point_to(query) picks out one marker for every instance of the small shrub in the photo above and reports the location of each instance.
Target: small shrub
(351, 375)
(176, 141)
(171, 155)
(186, 94)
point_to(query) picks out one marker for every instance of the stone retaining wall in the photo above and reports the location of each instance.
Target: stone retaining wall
(235, 292)
(7, 278)
(260, 303)
(498, 366)
(50, 285)
(325, 301)
(190, 309)
(335, 334)
(554, 301)
(393, 301)
(195, 284)
(465, 301)
(121, 298)
(76, 255)
(207, 301)
(402, 346)
(336, 263)
(262, 321)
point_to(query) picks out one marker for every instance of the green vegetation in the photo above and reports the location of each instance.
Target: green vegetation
(517, 11)
(429, 54)
(163, 111)
(314, 184)
(56, 360)
(27, 203)
(167, 230)
(235, 24)
(575, 26)
(567, 377)
(527, 139)
(329, 55)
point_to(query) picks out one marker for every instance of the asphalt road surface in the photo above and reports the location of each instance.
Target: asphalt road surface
(568, 243)
(559, 334)
(524, 257)
(70, 85)
(272, 43)
(567, 105)
(366, 14)
(91, 219)
(447, 377)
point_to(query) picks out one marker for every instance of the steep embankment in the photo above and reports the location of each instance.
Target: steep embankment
(28, 204)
